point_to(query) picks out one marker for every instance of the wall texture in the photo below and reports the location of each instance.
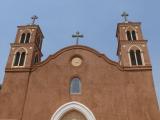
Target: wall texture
(110, 91)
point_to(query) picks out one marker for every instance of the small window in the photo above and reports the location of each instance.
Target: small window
(27, 38)
(23, 38)
(134, 35)
(129, 35)
(19, 59)
(133, 57)
(16, 60)
(75, 86)
(21, 62)
(138, 55)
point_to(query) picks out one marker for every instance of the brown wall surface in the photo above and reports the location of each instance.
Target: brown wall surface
(109, 92)
(12, 95)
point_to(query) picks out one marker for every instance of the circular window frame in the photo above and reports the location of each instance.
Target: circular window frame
(76, 56)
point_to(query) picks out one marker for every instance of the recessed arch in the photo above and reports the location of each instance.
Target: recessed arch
(22, 39)
(128, 34)
(73, 115)
(130, 28)
(132, 46)
(131, 33)
(21, 49)
(19, 58)
(134, 35)
(28, 35)
(73, 106)
(25, 36)
(135, 55)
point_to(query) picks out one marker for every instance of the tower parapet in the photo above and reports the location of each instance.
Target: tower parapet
(26, 50)
(132, 47)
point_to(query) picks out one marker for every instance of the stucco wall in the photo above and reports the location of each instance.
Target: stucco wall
(110, 92)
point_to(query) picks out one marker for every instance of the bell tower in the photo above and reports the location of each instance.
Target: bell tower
(24, 53)
(26, 50)
(132, 47)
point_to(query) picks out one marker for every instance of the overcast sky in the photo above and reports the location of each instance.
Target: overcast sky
(95, 19)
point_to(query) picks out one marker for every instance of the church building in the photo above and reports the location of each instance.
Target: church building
(78, 82)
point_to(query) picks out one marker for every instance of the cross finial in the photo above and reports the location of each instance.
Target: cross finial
(34, 17)
(77, 36)
(125, 15)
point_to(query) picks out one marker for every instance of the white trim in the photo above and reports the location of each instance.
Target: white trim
(142, 56)
(134, 46)
(73, 106)
(71, 86)
(136, 57)
(126, 35)
(26, 37)
(21, 48)
(129, 59)
(130, 29)
(136, 35)
(28, 31)
(14, 55)
(26, 53)
(20, 37)
(19, 60)
(132, 35)
(25, 60)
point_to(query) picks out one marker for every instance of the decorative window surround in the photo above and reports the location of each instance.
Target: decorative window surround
(73, 106)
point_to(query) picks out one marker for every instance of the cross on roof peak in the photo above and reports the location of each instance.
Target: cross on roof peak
(77, 36)
(125, 15)
(34, 17)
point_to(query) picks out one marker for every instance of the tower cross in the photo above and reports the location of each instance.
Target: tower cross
(77, 36)
(34, 19)
(125, 15)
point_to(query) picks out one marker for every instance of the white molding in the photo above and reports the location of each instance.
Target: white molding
(71, 86)
(20, 49)
(19, 60)
(129, 28)
(136, 57)
(73, 106)
(137, 35)
(132, 29)
(142, 56)
(129, 59)
(14, 55)
(134, 46)
(25, 32)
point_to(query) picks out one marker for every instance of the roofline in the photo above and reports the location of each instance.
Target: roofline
(32, 26)
(61, 51)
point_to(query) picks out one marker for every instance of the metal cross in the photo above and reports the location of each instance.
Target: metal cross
(77, 36)
(125, 15)
(34, 19)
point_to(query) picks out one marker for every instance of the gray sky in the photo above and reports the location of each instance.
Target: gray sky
(96, 19)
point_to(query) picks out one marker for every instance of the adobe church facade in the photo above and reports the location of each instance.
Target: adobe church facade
(78, 82)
